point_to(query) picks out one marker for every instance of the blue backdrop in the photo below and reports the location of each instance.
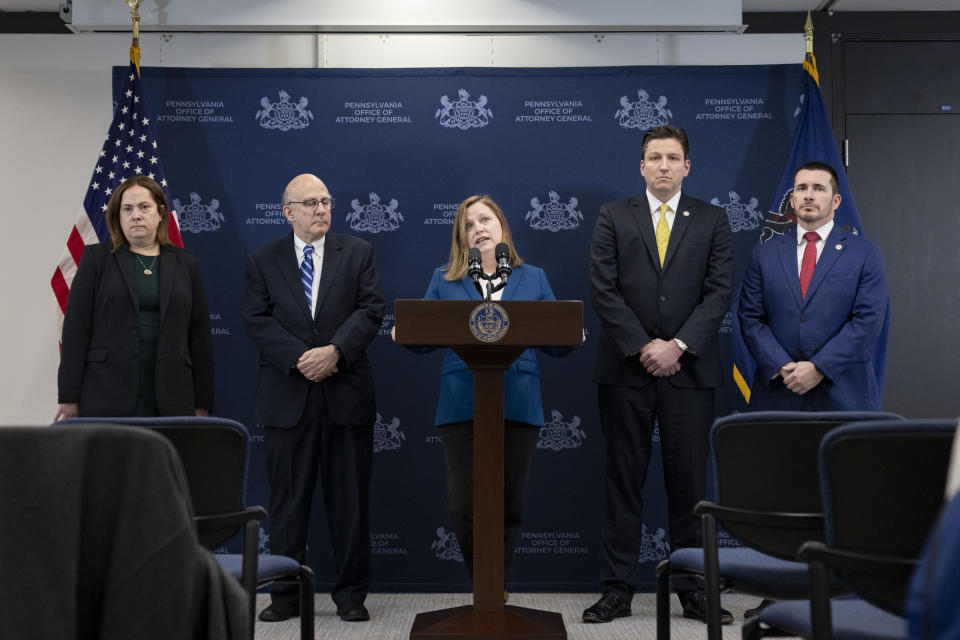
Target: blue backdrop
(399, 149)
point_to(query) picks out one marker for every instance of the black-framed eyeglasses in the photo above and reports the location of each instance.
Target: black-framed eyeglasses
(311, 203)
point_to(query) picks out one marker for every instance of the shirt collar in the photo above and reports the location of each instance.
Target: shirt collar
(824, 231)
(654, 202)
(300, 244)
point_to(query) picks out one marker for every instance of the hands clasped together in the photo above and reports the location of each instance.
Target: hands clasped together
(319, 363)
(661, 357)
(800, 377)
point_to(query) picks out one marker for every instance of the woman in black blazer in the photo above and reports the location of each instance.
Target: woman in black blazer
(136, 335)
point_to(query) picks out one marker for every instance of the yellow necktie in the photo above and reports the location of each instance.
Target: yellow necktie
(663, 233)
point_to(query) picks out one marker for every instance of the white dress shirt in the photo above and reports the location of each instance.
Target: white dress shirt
(671, 214)
(655, 202)
(317, 265)
(824, 231)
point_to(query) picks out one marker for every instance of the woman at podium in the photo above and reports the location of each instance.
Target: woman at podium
(499, 272)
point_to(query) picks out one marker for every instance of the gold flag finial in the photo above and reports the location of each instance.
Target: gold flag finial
(135, 45)
(809, 60)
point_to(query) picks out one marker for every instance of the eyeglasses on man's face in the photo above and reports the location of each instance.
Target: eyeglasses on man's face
(311, 203)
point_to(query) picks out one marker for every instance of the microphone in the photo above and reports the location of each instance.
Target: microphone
(473, 265)
(503, 261)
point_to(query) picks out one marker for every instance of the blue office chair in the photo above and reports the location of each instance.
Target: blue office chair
(214, 456)
(767, 492)
(882, 485)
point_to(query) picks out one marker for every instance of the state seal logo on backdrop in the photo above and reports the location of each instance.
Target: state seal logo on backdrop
(489, 322)
(196, 216)
(284, 115)
(446, 546)
(263, 542)
(644, 113)
(374, 216)
(653, 547)
(554, 215)
(387, 437)
(464, 113)
(560, 434)
(743, 216)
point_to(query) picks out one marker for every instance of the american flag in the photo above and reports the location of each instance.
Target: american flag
(130, 149)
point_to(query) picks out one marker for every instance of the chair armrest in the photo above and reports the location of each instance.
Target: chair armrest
(763, 518)
(838, 559)
(231, 518)
(883, 571)
(216, 528)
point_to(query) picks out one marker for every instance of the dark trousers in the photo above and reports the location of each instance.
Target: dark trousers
(627, 417)
(519, 443)
(343, 456)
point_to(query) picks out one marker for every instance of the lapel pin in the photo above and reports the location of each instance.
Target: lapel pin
(686, 213)
(838, 247)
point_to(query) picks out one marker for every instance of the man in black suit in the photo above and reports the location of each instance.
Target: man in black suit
(312, 307)
(661, 270)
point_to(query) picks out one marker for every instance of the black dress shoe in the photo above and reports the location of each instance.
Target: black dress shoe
(279, 611)
(608, 607)
(696, 607)
(352, 612)
(749, 613)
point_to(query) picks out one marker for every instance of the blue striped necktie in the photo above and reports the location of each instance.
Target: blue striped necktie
(306, 273)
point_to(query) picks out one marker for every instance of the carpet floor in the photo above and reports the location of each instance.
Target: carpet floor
(391, 616)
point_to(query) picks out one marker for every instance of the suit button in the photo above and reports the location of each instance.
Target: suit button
(663, 298)
(656, 331)
(316, 331)
(803, 318)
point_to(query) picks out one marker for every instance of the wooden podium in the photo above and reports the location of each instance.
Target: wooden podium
(488, 336)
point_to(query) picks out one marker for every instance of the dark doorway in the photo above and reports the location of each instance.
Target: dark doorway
(902, 125)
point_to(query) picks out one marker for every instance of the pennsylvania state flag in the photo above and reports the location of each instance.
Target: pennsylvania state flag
(813, 140)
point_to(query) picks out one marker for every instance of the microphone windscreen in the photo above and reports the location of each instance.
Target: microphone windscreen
(473, 255)
(502, 251)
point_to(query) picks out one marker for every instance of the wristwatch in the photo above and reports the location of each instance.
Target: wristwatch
(681, 344)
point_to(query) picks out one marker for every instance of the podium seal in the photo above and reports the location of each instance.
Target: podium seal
(489, 322)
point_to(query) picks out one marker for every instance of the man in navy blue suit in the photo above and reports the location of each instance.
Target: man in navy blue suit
(812, 307)
(661, 272)
(311, 307)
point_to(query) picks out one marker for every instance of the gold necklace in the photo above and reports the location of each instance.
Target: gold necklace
(146, 270)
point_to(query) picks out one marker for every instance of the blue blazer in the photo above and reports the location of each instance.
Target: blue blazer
(522, 401)
(834, 327)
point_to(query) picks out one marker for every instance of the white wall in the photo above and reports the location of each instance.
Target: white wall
(410, 15)
(55, 109)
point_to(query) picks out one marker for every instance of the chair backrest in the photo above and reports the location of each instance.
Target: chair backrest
(882, 488)
(98, 540)
(767, 462)
(213, 452)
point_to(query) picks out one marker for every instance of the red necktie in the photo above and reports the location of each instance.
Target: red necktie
(809, 261)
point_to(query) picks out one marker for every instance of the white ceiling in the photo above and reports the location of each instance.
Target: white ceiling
(748, 5)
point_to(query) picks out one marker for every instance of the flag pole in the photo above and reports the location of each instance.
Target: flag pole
(744, 366)
(809, 61)
(135, 44)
